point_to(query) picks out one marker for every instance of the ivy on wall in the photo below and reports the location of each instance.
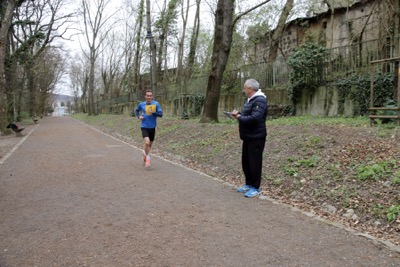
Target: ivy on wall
(307, 63)
(308, 66)
(357, 88)
(189, 104)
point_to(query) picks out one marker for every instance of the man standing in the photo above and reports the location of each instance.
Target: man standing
(253, 132)
(147, 112)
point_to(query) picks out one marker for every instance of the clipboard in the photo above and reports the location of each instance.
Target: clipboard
(228, 114)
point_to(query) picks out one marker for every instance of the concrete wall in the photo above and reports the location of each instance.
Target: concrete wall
(324, 101)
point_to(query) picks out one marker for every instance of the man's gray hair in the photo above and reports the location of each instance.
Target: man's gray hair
(252, 84)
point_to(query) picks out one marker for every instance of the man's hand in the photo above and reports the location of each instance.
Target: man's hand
(235, 114)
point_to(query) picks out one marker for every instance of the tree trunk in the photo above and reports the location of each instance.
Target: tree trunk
(31, 89)
(179, 76)
(167, 18)
(278, 32)
(91, 109)
(4, 28)
(136, 62)
(193, 41)
(153, 50)
(223, 33)
(396, 30)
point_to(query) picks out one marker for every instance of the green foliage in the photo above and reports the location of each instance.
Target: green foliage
(309, 162)
(256, 32)
(370, 172)
(190, 104)
(393, 212)
(319, 120)
(296, 164)
(378, 210)
(396, 178)
(307, 63)
(358, 87)
(291, 171)
(167, 20)
(313, 141)
(374, 171)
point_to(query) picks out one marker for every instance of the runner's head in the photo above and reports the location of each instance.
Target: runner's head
(148, 96)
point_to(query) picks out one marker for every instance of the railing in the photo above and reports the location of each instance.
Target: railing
(341, 62)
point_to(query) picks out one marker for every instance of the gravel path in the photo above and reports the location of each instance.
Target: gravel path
(72, 196)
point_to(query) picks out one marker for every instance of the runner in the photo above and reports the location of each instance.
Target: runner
(148, 111)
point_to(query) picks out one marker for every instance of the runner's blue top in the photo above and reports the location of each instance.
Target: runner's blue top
(150, 112)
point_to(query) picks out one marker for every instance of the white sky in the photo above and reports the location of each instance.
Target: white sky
(207, 21)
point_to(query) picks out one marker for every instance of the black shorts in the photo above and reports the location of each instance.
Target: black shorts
(149, 132)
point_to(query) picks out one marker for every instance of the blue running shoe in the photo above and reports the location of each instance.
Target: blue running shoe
(253, 192)
(243, 189)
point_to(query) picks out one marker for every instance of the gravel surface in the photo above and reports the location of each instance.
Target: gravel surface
(72, 196)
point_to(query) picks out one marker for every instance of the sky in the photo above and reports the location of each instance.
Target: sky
(76, 42)
(74, 46)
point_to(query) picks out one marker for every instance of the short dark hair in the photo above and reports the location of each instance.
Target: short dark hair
(148, 91)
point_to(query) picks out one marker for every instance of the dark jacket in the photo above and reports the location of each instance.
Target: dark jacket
(252, 119)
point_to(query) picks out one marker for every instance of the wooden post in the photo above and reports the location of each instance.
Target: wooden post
(398, 94)
(371, 104)
(372, 109)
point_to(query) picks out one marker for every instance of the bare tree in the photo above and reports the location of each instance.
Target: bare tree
(181, 40)
(36, 25)
(96, 28)
(166, 25)
(278, 32)
(133, 43)
(111, 66)
(79, 73)
(193, 41)
(76, 77)
(225, 21)
(50, 67)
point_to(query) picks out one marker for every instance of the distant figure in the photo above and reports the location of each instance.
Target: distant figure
(147, 112)
(253, 132)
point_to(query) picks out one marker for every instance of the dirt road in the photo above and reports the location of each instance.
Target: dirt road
(72, 196)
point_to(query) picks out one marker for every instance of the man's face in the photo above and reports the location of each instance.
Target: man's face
(148, 97)
(247, 90)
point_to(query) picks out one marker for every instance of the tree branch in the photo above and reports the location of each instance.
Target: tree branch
(239, 16)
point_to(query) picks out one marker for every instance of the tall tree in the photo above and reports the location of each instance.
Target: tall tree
(278, 32)
(181, 40)
(133, 44)
(110, 66)
(96, 28)
(6, 9)
(37, 25)
(193, 41)
(166, 25)
(50, 67)
(225, 21)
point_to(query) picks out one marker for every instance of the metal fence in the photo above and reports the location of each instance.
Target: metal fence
(340, 63)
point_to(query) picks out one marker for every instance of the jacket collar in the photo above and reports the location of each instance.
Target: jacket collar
(258, 93)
